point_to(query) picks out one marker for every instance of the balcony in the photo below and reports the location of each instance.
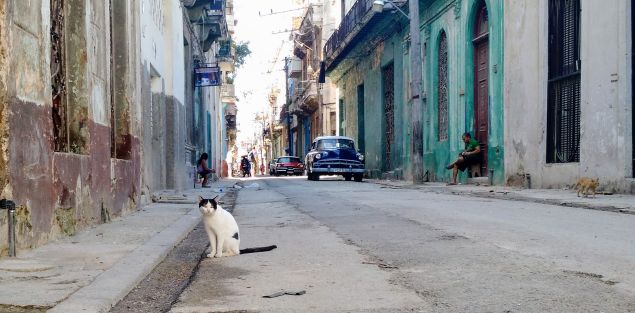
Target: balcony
(295, 68)
(305, 99)
(355, 20)
(226, 55)
(228, 93)
(208, 17)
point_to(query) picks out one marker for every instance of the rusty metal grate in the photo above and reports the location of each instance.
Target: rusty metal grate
(442, 88)
(563, 125)
(58, 77)
(388, 76)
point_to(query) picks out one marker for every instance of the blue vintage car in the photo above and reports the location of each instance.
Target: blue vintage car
(334, 155)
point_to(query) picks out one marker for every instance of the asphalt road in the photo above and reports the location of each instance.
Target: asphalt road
(361, 247)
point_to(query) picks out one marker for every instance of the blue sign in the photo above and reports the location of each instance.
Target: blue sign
(207, 75)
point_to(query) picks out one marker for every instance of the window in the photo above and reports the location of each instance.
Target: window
(361, 132)
(58, 77)
(332, 122)
(121, 145)
(342, 118)
(288, 160)
(442, 88)
(336, 143)
(69, 86)
(563, 104)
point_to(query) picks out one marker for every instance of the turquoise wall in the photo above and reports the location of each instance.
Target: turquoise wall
(458, 20)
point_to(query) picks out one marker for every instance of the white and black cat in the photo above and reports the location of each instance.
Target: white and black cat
(222, 230)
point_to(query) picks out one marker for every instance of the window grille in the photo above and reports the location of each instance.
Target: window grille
(563, 124)
(58, 77)
(442, 88)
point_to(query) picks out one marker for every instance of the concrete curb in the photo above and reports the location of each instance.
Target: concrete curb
(509, 196)
(114, 284)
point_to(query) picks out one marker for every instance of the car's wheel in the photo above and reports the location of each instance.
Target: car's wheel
(348, 177)
(359, 177)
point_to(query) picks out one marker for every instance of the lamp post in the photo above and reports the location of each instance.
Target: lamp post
(415, 81)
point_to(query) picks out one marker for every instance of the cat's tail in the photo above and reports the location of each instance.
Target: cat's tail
(258, 249)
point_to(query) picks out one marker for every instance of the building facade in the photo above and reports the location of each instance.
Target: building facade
(540, 95)
(569, 93)
(312, 103)
(95, 109)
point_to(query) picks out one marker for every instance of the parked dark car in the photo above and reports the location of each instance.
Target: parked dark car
(286, 165)
(334, 155)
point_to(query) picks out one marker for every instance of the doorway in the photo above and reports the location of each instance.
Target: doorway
(361, 133)
(481, 81)
(388, 77)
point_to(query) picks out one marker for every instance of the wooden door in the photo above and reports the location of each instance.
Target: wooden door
(481, 83)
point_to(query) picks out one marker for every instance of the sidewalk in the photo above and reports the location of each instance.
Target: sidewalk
(618, 203)
(93, 270)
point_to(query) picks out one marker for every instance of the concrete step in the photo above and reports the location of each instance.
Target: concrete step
(479, 181)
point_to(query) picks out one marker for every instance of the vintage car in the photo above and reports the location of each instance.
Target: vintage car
(334, 155)
(286, 165)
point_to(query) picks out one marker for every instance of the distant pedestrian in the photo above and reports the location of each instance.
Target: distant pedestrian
(470, 156)
(203, 169)
(254, 160)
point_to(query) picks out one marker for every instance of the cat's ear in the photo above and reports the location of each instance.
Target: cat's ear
(216, 198)
(200, 198)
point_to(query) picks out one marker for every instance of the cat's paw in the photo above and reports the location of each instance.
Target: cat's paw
(210, 255)
(218, 255)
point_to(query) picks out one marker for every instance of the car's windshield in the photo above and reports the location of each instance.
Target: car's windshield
(335, 143)
(288, 160)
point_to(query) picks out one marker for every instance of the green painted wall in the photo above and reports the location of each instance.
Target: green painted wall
(458, 23)
(363, 65)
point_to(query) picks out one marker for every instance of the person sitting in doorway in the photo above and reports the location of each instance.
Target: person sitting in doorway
(203, 170)
(470, 156)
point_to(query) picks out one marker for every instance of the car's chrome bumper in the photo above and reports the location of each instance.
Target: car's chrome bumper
(288, 170)
(337, 170)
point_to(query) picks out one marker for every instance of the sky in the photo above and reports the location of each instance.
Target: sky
(257, 25)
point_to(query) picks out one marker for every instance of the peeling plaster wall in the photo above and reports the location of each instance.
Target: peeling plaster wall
(59, 193)
(163, 95)
(606, 98)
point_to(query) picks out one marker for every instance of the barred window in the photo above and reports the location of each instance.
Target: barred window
(58, 77)
(442, 88)
(563, 104)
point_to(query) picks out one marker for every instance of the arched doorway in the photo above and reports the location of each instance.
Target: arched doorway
(480, 41)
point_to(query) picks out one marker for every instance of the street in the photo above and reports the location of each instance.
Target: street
(364, 247)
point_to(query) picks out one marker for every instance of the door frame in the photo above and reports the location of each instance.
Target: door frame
(477, 40)
(387, 160)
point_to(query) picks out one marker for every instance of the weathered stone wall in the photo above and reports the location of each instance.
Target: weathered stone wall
(59, 193)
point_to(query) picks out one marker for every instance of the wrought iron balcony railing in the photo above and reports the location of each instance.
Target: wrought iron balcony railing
(354, 18)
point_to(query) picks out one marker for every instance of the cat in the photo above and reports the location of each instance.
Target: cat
(222, 230)
(584, 185)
